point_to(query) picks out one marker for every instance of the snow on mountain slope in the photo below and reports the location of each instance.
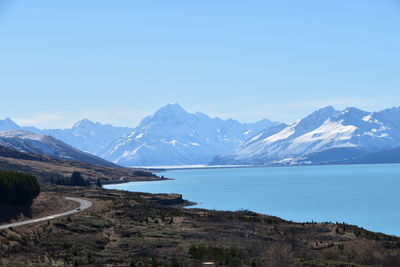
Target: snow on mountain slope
(85, 135)
(46, 145)
(323, 130)
(173, 136)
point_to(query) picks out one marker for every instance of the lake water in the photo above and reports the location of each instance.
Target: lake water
(364, 195)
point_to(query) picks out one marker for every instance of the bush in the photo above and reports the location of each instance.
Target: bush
(18, 188)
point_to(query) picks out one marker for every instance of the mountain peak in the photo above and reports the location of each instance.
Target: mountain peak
(170, 111)
(322, 113)
(314, 120)
(82, 123)
(327, 109)
(353, 109)
(173, 107)
(8, 124)
(352, 112)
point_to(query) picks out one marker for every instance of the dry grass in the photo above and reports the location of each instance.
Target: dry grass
(45, 168)
(134, 229)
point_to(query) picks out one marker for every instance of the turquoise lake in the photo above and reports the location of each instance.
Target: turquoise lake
(364, 195)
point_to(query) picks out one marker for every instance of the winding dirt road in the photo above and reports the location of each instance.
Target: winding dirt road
(85, 204)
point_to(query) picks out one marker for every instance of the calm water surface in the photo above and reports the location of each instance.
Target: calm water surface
(365, 195)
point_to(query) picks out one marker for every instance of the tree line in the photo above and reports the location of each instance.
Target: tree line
(18, 188)
(76, 179)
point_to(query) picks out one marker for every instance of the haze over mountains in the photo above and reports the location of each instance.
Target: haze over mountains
(173, 136)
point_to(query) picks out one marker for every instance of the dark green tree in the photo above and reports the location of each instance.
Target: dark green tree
(77, 180)
(18, 188)
(98, 183)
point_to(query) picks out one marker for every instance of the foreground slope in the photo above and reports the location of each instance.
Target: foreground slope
(173, 136)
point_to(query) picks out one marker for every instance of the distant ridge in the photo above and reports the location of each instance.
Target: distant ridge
(32, 143)
(386, 156)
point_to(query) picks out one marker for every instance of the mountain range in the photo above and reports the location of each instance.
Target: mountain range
(325, 136)
(172, 137)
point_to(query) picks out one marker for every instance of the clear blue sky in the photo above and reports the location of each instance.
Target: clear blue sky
(117, 61)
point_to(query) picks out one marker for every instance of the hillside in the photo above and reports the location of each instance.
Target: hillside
(38, 144)
(46, 168)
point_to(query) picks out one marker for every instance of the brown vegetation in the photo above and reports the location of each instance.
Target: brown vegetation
(46, 169)
(135, 229)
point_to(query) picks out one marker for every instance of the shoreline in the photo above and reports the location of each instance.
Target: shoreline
(188, 204)
(157, 169)
(194, 204)
(192, 167)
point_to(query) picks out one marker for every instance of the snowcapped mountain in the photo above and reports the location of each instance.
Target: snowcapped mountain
(88, 136)
(29, 142)
(339, 134)
(85, 135)
(173, 136)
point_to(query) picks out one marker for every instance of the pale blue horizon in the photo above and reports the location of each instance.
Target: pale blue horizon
(248, 60)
